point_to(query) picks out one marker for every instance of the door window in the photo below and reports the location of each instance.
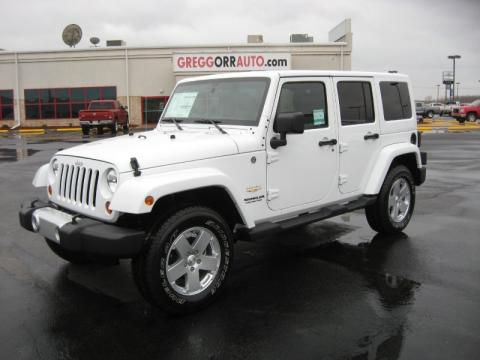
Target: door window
(396, 100)
(308, 98)
(356, 102)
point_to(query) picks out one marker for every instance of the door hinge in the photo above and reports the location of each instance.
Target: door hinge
(272, 194)
(272, 156)
(342, 179)
(342, 147)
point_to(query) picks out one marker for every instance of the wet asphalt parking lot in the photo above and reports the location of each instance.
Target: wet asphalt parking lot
(330, 290)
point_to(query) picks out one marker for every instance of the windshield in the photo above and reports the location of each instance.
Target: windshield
(227, 101)
(476, 103)
(104, 105)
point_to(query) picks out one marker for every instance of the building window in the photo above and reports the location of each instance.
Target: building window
(308, 98)
(63, 103)
(152, 108)
(356, 102)
(6, 105)
(396, 100)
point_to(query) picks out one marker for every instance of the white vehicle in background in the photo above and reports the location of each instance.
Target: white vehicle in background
(449, 106)
(234, 156)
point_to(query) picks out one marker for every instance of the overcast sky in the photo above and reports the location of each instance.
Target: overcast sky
(411, 36)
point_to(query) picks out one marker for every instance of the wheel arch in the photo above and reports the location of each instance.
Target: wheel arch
(391, 156)
(208, 187)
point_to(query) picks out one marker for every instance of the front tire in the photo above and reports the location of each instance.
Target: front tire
(430, 114)
(186, 261)
(393, 209)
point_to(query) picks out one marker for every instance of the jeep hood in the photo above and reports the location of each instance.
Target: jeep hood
(155, 148)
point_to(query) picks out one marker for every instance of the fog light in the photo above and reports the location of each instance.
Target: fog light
(107, 208)
(149, 200)
(50, 191)
(35, 223)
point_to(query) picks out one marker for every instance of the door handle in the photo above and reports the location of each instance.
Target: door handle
(328, 142)
(371, 136)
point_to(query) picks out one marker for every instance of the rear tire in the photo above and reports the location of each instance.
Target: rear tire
(85, 130)
(70, 256)
(114, 128)
(185, 264)
(471, 117)
(430, 114)
(125, 128)
(100, 130)
(393, 209)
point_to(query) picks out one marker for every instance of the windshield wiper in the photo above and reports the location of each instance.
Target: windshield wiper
(213, 122)
(175, 121)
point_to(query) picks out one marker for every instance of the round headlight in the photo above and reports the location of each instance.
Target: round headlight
(55, 167)
(112, 180)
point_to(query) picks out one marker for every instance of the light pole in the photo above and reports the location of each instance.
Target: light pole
(457, 92)
(438, 91)
(453, 57)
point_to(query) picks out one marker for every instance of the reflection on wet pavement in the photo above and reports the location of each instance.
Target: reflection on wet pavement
(329, 290)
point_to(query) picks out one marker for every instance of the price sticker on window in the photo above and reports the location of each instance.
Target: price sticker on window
(318, 117)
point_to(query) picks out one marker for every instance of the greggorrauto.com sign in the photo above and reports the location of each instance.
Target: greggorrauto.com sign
(231, 62)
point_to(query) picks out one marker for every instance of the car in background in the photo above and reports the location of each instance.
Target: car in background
(104, 113)
(435, 109)
(427, 110)
(449, 105)
(468, 112)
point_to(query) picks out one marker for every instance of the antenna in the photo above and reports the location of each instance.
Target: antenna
(72, 34)
(94, 40)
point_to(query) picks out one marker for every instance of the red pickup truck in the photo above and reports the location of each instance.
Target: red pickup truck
(104, 113)
(469, 112)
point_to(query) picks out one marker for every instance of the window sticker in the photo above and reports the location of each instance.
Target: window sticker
(318, 117)
(181, 104)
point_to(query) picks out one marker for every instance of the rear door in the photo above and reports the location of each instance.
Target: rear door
(305, 169)
(359, 134)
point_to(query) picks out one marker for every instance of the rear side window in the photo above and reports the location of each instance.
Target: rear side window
(356, 102)
(396, 100)
(308, 98)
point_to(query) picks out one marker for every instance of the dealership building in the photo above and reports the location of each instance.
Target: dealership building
(49, 88)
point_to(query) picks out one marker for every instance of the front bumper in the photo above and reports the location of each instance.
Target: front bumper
(96, 122)
(80, 234)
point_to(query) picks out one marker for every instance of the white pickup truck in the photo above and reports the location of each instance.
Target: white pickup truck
(234, 156)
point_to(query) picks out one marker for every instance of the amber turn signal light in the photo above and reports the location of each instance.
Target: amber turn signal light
(149, 200)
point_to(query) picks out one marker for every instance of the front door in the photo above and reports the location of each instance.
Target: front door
(359, 139)
(305, 169)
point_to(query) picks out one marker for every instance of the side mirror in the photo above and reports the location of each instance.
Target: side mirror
(287, 123)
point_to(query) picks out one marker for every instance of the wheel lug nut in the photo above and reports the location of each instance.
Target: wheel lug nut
(199, 261)
(192, 268)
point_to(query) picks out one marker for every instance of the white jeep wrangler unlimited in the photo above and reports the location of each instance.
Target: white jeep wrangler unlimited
(233, 156)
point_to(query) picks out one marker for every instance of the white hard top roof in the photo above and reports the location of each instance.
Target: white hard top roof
(294, 73)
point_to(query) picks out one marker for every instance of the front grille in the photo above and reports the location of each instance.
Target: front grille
(78, 184)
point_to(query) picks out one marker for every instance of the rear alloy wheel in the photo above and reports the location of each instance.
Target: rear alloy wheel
(186, 262)
(393, 209)
(471, 117)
